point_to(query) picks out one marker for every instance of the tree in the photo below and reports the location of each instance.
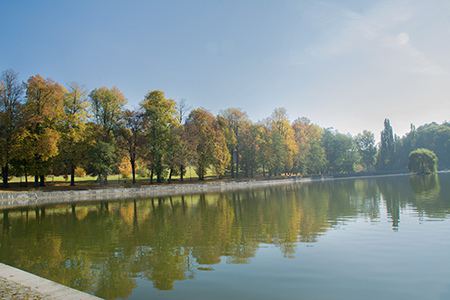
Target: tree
(340, 151)
(265, 154)
(208, 142)
(43, 110)
(280, 124)
(250, 149)
(422, 161)
(102, 157)
(132, 136)
(385, 156)
(236, 119)
(162, 117)
(72, 144)
(365, 143)
(11, 106)
(107, 108)
(311, 155)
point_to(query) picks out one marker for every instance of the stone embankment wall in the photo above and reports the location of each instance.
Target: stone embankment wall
(20, 199)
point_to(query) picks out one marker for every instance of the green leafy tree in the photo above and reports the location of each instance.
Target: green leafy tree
(340, 151)
(101, 162)
(365, 143)
(11, 108)
(107, 107)
(161, 115)
(73, 140)
(422, 161)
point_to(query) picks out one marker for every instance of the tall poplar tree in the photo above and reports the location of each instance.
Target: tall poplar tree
(385, 158)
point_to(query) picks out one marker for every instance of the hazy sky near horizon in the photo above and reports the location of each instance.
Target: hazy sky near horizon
(347, 64)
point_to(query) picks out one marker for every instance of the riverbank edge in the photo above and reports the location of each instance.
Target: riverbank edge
(42, 288)
(24, 199)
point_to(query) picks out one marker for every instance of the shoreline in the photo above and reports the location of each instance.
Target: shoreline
(23, 199)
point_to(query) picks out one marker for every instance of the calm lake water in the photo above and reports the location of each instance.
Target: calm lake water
(379, 238)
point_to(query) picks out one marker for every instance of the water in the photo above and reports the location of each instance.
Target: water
(380, 238)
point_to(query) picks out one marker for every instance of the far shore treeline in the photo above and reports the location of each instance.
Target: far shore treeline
(46, 128)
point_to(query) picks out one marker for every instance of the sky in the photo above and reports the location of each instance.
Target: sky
(346, 64)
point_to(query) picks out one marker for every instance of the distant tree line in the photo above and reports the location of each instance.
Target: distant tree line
(46, 128)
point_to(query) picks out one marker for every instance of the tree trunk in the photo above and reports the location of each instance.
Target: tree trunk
(232, 163)
(181, 172)
(170, 176)
(151, 177)
(133, 170)
(42, 179)
(36, 181)
(26, 178)
(72, 176)
(237, 161)
(5, 171)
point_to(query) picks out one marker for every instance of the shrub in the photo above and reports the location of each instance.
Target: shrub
(80, 172)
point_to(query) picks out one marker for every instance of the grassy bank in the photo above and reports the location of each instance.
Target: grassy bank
(59, 183)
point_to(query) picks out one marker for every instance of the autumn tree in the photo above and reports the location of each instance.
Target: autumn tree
(43, 109)
(73, 142)
(422, 161)
(280, 124)
(208, 142)
(11, 106)
(161, 114)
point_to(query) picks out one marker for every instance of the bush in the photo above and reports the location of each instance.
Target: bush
(80, 172)
(142, 172)
(422, 161)
(126, 174)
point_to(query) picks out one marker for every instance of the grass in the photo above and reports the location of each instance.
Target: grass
(53, 183)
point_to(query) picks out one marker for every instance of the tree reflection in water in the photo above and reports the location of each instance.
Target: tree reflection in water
(104, 248)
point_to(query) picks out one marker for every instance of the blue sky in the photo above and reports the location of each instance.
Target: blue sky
(347, 64)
